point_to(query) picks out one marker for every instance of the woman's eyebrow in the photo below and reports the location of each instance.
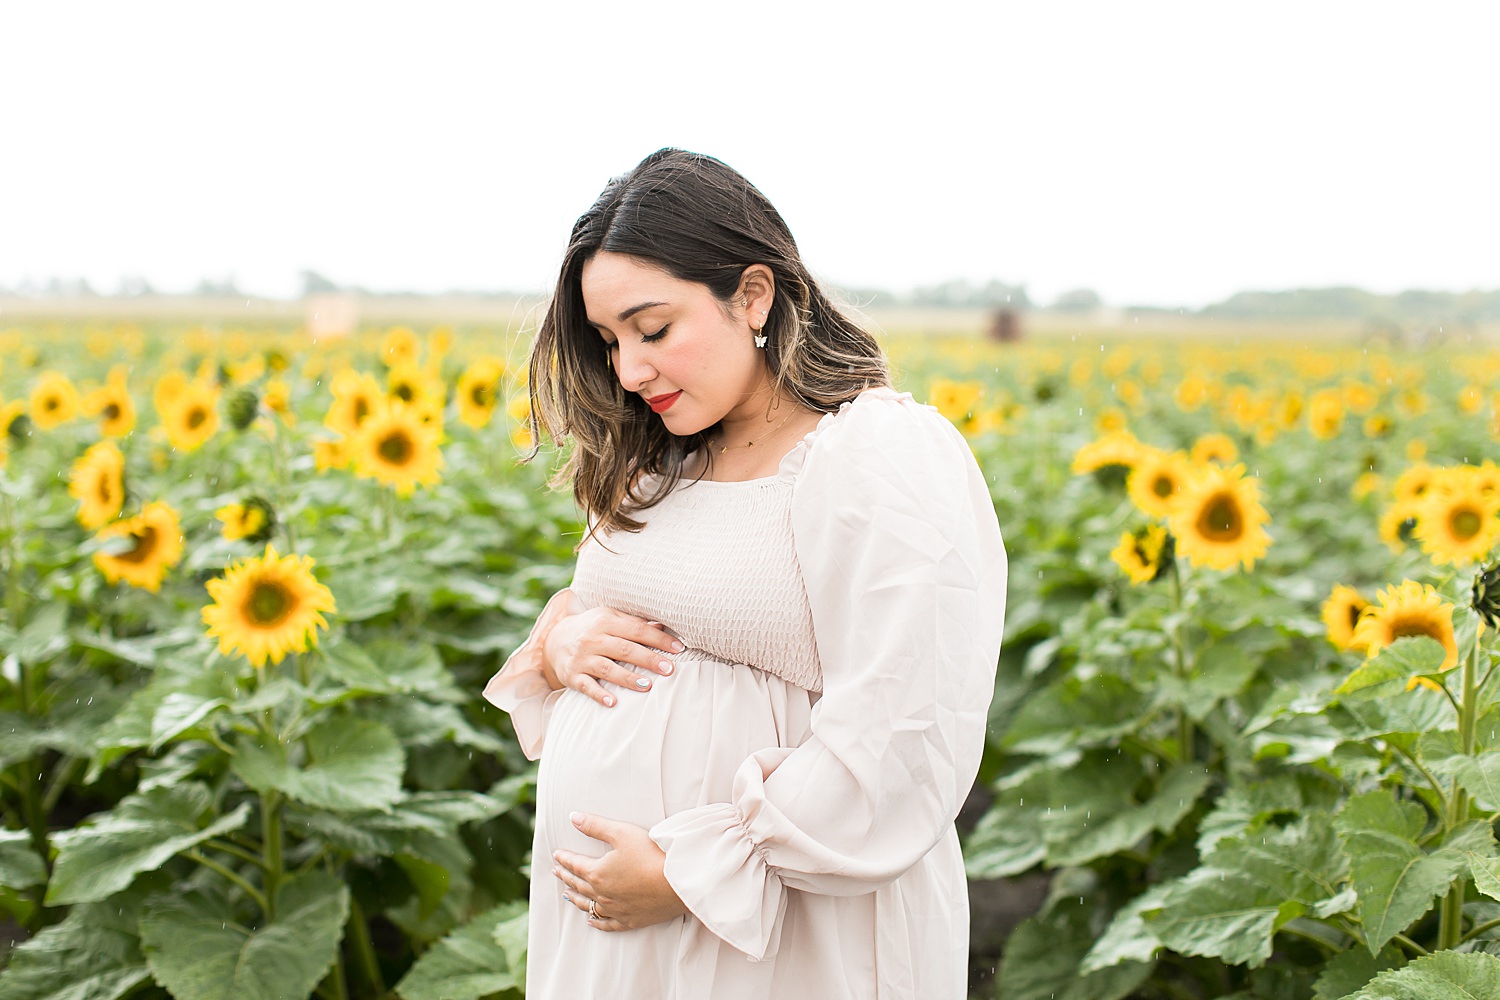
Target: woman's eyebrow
(627, 313)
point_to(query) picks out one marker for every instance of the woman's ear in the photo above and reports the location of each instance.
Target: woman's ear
(756, 292)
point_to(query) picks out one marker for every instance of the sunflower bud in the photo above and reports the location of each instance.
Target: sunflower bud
(19, 431)
(1486, 594)
(254, 520)
(242, 407)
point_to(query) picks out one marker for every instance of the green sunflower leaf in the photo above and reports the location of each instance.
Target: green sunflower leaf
(94, 954)
(198, 951)
(477, 960)
(1417, 654)
(1396, 880)
(20, 866)
(1353, 968)
(350, 765)
(141, 834)
(1443, 975)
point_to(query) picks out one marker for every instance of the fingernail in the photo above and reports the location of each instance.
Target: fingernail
(567, 898)
(664, 666)
(609, 701)
(557, 856)
(577, 818)
(556, 871)
(677, 647)
(641, 682)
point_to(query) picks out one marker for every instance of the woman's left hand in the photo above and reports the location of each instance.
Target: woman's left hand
(626, 886)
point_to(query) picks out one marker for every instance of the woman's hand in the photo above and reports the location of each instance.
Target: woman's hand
(626, 888)
(590, 646)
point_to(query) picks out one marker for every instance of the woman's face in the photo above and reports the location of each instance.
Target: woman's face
(671, 342)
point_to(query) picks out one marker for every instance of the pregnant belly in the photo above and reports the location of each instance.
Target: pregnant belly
(659, 752)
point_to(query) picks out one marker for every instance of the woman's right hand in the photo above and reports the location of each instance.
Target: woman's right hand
(590, 646)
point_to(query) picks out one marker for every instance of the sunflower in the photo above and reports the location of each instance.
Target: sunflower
(1192, 392)
(1144, 554)
(1110, 457)
(54, 401)
(356, 395)
(400, 347)
(97, 482)
(1471, 399)
(1219, 521)
(519, 411)
(1110, 420)
(1414, 482)
(421, 390)
(954, 400)
(331, 453)
(1156, 482)
(1367, 485)
(254, 520)
(167, 390)
(1410, 609)
(395, 447)
(1359, 398)
(193, 416)
(267, 607)
(1457, 524)
(278, 399)
(155, 539)
(1325, 414)
(112, 404)
(1341, 614)
(478, 391)
(1398, 524)
(1214, 447)
(14, 421)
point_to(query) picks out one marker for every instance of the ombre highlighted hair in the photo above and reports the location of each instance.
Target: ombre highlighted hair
(698, 220)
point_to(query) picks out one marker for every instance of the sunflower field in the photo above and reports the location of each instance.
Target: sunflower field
(1246, 725)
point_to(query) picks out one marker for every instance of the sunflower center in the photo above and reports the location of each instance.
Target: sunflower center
(1403, 627)
(361, 410)
(112, 411)
(106, 490)
(483, 395)
(395, 449)
(268, 603)
(1163, 486)
(1465, 522)
(195, 418)
(145, 544)
(404, 392)
(51, 403)
(1354, 610)
(1220, 519)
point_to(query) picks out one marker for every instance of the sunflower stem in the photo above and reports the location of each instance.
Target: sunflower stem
(1450, 926)
(270, 825)
(364, 948)
(1185, 735)
(194, 855)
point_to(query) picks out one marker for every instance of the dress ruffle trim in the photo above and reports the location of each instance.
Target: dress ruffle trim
(720, 875)
(792, 461)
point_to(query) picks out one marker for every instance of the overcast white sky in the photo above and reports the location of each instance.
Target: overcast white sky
(1159, 152)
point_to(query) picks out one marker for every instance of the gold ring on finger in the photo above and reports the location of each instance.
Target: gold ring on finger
(593, 909)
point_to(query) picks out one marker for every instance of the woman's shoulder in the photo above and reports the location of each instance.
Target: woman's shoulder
(879, 426)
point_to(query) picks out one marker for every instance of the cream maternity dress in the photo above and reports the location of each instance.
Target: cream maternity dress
(803, 764)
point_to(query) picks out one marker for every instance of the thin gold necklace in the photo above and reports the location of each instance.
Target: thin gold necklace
(725, 447)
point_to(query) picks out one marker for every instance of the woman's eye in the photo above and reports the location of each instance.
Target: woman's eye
(647, 338)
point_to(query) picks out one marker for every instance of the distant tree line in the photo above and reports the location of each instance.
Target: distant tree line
(1415, 308)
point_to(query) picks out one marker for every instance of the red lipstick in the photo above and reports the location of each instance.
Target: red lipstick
(660, 404)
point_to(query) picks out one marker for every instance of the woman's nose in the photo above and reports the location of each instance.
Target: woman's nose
(632, 370)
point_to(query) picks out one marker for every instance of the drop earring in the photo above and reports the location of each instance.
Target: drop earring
(760, 334)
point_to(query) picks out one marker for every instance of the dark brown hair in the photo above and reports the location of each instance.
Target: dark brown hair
(698, 220)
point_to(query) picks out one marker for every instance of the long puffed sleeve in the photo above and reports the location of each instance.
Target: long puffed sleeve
(905, 575)
(520, 687)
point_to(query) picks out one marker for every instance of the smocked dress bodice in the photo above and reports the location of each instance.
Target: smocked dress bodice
(716, 564)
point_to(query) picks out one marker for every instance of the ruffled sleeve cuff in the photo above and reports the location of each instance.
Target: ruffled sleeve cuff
(721, 877)
(520, 688)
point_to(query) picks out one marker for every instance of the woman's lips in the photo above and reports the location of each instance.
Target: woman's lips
(660, 404)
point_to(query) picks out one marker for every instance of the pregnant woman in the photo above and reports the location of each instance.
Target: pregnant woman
(762, 701)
